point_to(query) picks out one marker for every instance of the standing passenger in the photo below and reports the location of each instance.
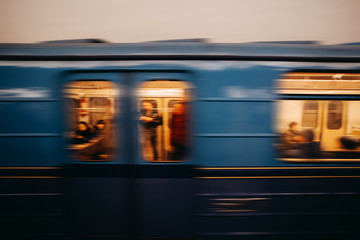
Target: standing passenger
(150, 120)
(99, 128)
(179, 131)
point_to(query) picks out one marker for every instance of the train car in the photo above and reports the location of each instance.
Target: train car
(179, 140)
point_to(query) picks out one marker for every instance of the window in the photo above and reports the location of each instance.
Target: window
(98, 106)
(325, 129)
(91, 113)
(164, 132)
(334, 115)
(310, 114)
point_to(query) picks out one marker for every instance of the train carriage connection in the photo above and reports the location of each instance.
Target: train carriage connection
(179, 140)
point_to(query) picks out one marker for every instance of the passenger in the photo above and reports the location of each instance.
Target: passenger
(103, 141)
(292, 138)
(82, 133)
(99, 128)
(308, 148)
(150, 120)
(179, 131)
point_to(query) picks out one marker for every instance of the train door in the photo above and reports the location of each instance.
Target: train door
(163, 162)
(139, 186)
(327, 120)
(333, 124)
(95, 159)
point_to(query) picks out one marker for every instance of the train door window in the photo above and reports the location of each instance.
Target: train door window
(98, 108)
(310, 114)
(322, 129)
(334, 115)
(164, 132)
(91, 113)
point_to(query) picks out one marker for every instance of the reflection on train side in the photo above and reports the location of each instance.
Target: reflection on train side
(91, 110)
(164, 120)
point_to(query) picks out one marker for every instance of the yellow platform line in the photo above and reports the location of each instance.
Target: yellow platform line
(6, 168)
(270, 168)
(260, 177)
(26, 177)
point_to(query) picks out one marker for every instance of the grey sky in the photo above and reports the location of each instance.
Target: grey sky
(329, 21)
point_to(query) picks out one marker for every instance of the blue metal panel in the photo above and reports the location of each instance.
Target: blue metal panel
(30, 151)
(278, 206)
(166, 207)
(235, 151)
(238, 81)
(29, 117)
(98, 207)
(28, 82)
(234, 117)
(197, 49)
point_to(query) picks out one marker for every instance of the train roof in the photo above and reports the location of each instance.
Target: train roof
(196, 49)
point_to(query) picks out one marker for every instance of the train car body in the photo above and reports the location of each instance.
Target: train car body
(236, 181)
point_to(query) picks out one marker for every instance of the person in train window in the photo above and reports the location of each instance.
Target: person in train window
(83, 133)
(150, 120)
(99, 128)
(292, 138)
(102, 141)
(179, 131)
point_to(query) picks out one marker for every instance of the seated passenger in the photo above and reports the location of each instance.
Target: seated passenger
(82, 133)
(291, 138)
(99, 128)
(307, 148)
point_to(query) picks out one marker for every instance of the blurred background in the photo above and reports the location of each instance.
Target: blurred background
(328, 21)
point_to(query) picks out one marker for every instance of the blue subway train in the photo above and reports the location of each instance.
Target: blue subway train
(179, 140)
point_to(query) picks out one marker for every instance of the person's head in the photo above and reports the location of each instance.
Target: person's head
(147, 105)
(100, 124)
(293, 126)
(82, 126)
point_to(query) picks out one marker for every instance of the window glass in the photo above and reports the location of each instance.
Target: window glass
(98, 106)
(318, 130)
(310, 114)
(91, 113)
(334, 115)
(164, 132)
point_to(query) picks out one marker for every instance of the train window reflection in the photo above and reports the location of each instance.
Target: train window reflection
(90, 127)
(164, 131)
